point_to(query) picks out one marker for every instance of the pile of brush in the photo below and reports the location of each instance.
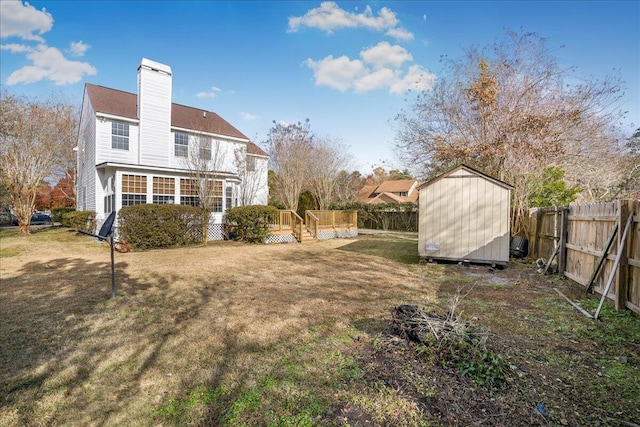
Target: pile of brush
(426, 328)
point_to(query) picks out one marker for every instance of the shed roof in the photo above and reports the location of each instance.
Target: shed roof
(125, 104)
(471, 171)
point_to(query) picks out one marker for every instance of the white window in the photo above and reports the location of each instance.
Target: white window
(229, 197)
(163, 190)
(134, 190)
(120, 135)
(189, 192)
(251, 164)
(181, 144)
(205, 149)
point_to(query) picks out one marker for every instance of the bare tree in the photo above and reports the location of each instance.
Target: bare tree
(290, 149)
(205, 160)
(347, 186)
(330, 157)
(34, 137)
(251, 171)
(510, 110)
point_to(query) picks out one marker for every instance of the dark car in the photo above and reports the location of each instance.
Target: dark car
(37, 219)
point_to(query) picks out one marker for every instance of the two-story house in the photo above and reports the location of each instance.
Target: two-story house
(398, 191)
(142, 148)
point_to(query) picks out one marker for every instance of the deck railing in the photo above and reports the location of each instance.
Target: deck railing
(311, 222)
(288, 221)
(336, 219)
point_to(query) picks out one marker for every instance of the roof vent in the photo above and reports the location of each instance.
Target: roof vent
(204, 114)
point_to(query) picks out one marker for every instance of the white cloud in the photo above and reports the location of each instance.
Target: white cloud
(49, 63)
(416, 78)
(78, 48)
(210, 94)
(375, 80)
(346, 74)
(338, 73)
(383, 55)
(330, 17)
(16, 48)
(21, 20)
(249, 116)
(400, 34)
(24, 21)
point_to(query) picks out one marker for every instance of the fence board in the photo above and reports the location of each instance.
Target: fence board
(587, 232)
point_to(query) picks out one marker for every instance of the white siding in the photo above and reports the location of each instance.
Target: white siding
(86, 180)
(464, 216)
(154, 112)
(104, 151)
(262, 195)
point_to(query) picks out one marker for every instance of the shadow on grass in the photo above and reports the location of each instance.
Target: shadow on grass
(396, 248)
(71, 352)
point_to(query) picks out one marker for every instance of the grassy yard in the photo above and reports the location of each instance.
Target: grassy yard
(228, 334)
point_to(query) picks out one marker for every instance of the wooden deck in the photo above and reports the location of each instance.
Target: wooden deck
(288, 226)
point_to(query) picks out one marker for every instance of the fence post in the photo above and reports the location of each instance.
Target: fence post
(562, 254)
(624, 210)
(535, 238)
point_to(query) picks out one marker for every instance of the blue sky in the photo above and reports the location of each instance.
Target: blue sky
(344, 65)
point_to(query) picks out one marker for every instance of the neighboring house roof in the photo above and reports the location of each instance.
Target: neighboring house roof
(389, 192)
(386, 198)
(397, 186)
(366, 192)
(125, 104)
(471, 171)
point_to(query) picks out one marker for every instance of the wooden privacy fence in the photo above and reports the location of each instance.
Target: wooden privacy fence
(586, 240)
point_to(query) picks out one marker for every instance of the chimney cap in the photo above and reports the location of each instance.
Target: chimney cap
(154, 66)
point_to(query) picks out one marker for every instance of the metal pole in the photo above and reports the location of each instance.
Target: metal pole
(113, 268)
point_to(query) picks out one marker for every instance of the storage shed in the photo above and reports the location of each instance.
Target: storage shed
(463, 215)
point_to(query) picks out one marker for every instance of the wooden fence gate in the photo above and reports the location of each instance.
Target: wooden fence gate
(586, 240)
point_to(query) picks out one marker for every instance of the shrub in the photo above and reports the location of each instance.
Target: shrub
(249, 223)
(56, 213)
(79, 220)
(150, 226)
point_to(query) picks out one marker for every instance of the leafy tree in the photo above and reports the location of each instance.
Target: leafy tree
(44, 197)
(306, 201)
(552, 190)
(510, 110)
(63, 193)
(36, 139)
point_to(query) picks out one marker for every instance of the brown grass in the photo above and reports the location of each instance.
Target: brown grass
(231, 334)
(218, 315)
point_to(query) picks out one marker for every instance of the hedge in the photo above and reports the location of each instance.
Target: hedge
(79, 220)
(249, 223)
(56, 213)
(151, 226)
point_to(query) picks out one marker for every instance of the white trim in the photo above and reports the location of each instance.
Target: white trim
(203, 133)
(100, 116)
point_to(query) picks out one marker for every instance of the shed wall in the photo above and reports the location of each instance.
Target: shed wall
(464, 216)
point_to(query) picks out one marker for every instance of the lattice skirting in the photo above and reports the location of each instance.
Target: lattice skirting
(280, 238)
(341, 234)
(215, 231)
